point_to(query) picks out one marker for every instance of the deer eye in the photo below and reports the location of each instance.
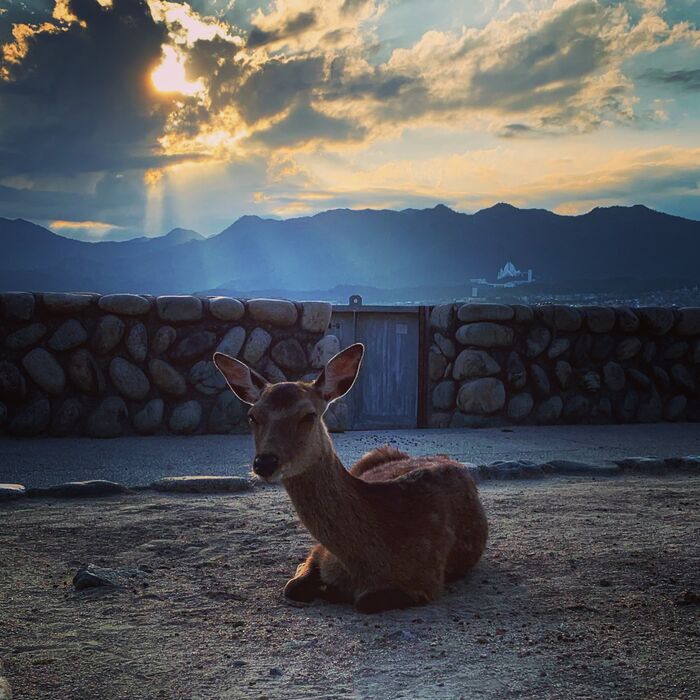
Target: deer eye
(252, 419)
(308, 418)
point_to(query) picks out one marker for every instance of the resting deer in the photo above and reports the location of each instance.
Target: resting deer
(392, 530)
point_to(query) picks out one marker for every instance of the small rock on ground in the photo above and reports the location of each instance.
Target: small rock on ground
(92, 576)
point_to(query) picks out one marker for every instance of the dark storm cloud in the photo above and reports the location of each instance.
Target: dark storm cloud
(277, 85)
(291, 28)
(304, 124)
(80, 100)
(119, 199)
(683, 79)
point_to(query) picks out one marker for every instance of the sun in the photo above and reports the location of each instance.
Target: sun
(170, 76)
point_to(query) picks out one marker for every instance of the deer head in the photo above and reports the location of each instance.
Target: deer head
(286, 418)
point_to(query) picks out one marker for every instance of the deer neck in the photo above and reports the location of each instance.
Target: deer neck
(329, 501)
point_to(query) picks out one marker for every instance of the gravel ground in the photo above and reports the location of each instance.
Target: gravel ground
(576, 597)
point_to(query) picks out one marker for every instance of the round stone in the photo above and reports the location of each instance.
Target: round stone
(206, 378)
(66, 302)
(167, 378)
(315, 316)
(444, 396)
(576, 409)
(66, 418)
(32, 419)
(277, 312)
(109, 419)
(185, 418)
(485, 335)
(68, 335)
(628, 348)
(676, 350)
(226, 308)
(661, 378)
(289, 355)
(563, 372)
(603, 346)
(12, 385)
(481, 396)
(627, 320)
(563, 318)
(272, 372)
(675, 407)
(17, 306)
(85, 373)
(163, 339)
(257, 344)
(232, 342)
(614, 376)
(517, 374)
(228, 412)
(150, 417)
(447, 347)
(179, 308)
(537, 341)
(45, 371)
(474, 363)
(658, 320)
(549, 411)
(26, 337)
(325, 348)
(193, 346)
(441, 317)
(590, 381)
(469, 313)
(649, 352)
(639, 379)
(558, 347)
(650, 410)
(599, 319)
(125, 304)
(108, 333)
(682, 377)
(128, 379)
(519, 407)
(688, 321)
(540, 381)
(437, 363)
(523, 313)
(137, 342)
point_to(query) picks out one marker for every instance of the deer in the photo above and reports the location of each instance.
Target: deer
(391, 531)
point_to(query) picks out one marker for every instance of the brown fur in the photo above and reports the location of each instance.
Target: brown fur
(393, 529)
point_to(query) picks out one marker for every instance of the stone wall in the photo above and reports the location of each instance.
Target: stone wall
(120, 364)
(491, 364)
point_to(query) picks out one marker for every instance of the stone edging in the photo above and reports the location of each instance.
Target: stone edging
(498, 471)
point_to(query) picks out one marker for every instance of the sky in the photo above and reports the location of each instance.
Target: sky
(121, 118)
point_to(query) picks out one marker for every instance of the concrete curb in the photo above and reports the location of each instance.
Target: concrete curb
(496, 471)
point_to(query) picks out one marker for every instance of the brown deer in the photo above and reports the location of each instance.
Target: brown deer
(392, 530)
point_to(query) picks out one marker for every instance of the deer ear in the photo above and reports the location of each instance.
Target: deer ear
(338, 376)
(245, 383)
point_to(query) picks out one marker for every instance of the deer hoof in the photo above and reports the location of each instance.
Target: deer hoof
(301, 589)
(384, 599)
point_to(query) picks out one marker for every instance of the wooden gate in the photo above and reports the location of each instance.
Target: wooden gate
(386, 394)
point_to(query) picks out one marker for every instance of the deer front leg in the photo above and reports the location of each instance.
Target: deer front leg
(306, 584)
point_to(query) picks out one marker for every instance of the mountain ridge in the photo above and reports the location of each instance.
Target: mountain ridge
(373, 247)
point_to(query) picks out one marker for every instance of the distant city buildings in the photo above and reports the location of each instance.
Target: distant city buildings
(508, 276)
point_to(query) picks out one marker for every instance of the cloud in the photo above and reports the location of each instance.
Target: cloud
(79, 100)
(683, 79)
(291, 27)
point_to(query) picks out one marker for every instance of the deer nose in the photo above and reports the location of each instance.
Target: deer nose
(265, 464)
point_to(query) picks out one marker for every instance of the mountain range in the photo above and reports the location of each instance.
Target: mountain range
(379, 248)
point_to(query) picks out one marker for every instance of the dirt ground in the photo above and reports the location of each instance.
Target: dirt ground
(576, 597)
